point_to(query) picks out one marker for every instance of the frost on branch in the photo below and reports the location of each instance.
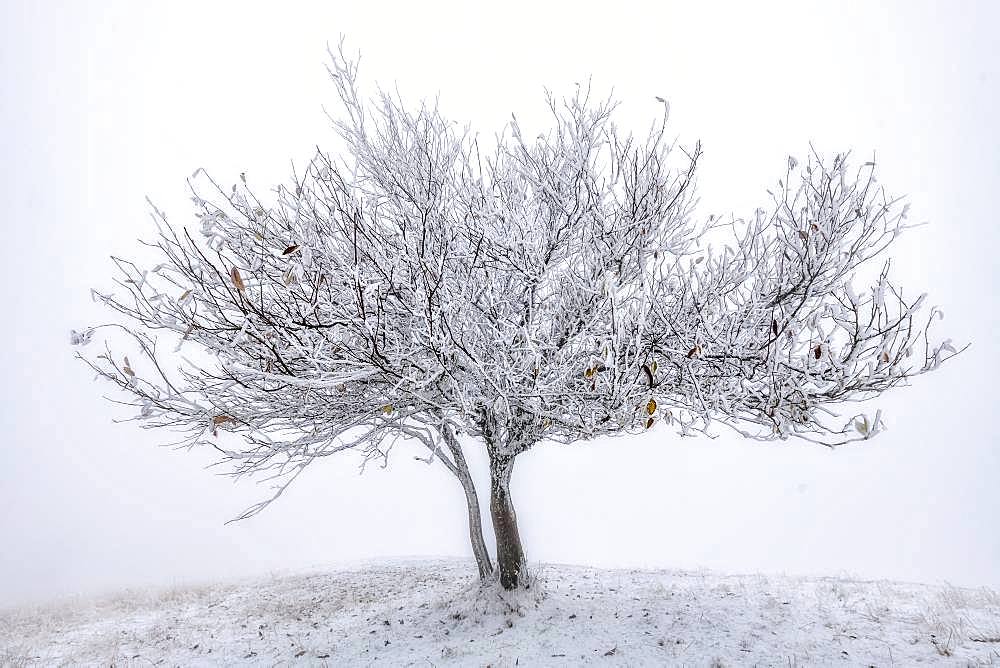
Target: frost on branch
(80, 338)
(779, 326)
(420, 285)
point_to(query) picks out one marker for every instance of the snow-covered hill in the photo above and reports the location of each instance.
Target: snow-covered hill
(430, 613)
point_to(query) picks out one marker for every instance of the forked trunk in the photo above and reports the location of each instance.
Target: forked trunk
(510, 554)
(476, 532)
(476, 527)
(461, 470)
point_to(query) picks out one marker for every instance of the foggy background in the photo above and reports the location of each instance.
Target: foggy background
(104, 103)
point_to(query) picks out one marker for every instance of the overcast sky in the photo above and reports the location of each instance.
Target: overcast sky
(104, 103)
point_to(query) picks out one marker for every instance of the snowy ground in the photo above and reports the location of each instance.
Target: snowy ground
(430, 613)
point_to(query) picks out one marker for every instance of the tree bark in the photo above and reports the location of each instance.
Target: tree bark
(479, 548)
(510, 554)
(476, 526)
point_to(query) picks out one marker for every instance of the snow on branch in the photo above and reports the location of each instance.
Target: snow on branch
(552, 289)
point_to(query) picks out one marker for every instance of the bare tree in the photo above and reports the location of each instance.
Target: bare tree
(418, 286)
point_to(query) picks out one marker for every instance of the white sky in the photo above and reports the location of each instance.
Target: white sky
(104, 103)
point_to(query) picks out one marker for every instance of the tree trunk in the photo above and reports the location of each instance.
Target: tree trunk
(510, 554)
(476, 526)
(479, 549)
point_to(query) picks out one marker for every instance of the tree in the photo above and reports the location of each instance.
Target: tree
(417, 286)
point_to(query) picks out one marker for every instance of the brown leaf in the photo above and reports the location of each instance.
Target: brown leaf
(291, 249)
(127, 368)
(222, 419)
(818, 352)
(387, 409)
(651, 406)
(774, 327)
(184, 296)
(649, 422)
(694, 351)
(589, 373)
(234, 273)
(803, 235)
(885, 357)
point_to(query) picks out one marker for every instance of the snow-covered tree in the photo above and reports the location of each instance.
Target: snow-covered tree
(418, 286)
